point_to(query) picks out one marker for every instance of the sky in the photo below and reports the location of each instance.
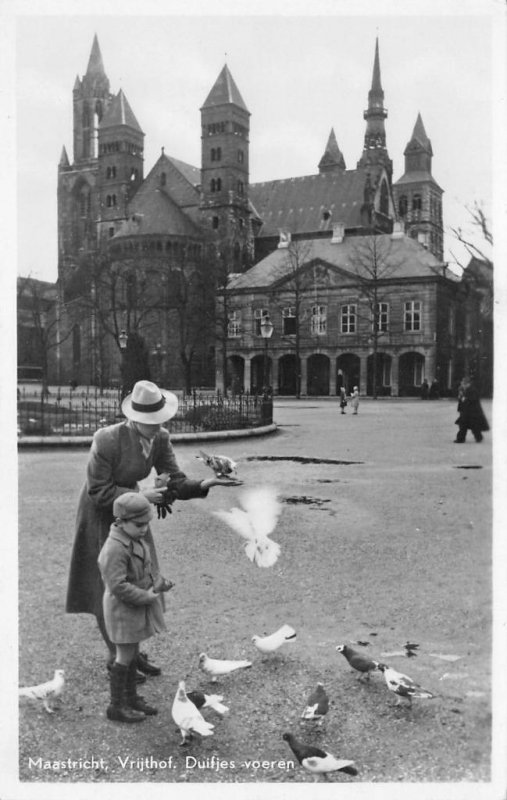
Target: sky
(301, 70)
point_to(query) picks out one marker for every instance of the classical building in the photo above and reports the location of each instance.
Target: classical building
(348, 263)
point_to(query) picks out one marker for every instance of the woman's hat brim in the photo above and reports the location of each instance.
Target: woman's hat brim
(164, 414)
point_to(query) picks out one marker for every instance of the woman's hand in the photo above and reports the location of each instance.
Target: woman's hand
(209, 482)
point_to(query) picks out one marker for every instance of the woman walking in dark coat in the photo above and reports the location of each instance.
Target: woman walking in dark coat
(471, 416)
(120, 456)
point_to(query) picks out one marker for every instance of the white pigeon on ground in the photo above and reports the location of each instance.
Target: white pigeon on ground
(314, 759)
(402, 685)
(222, 466)
(214, 701)
(216, 667)
(254, 522)
(47, 692)
(268, 644)
(187, 717)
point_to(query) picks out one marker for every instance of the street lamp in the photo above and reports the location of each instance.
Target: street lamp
(266, 333)
(159, 354)
(123, 338)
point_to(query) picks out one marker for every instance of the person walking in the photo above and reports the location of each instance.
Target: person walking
(133, 602)
(471, 416)
(343, 399)
(355, 399)
(121, 455)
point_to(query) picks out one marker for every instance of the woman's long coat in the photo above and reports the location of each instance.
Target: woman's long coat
(115, 465)
(471, 415)
(130, 612)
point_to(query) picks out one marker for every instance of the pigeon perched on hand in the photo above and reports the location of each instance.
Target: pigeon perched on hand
(254, 522)
(317, 705)
(317, 761)
(214, 701)
(187, 717)
(222, 466)
(216, 666)
(47, 692)
(268, 644)
(402, 685)
(358, 661)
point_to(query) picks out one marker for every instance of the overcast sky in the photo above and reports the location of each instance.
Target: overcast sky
(300, 74)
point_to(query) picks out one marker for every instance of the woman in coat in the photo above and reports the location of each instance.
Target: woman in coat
(471, 416)
(120, 456)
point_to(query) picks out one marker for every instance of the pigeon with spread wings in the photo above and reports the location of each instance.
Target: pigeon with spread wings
(254, 522)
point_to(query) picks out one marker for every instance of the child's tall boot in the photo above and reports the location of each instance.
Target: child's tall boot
(118, 710)
(134, 700)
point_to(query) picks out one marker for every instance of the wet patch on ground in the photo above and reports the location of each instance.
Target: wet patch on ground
(302, 460)
(315, 502)
(468, 466)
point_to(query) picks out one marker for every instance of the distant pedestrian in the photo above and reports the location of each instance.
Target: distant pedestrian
(471, 416)
(133, 602)
(424, 390)
(354, 399)
(434, 393)
(343, 399)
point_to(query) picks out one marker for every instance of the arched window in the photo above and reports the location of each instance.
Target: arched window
(219, 184)
(384, 199)
(219, 153)
(416, 202)
(213, 154)
(241, 188)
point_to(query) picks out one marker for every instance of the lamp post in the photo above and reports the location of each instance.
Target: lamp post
(266, 333)
(123, 338)
(159, 354)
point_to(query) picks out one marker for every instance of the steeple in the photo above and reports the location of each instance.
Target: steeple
(64, 160)
(224, 92)
(375, 150)
(91, 98)
(418, 152)
(333, 157)
(95, 63)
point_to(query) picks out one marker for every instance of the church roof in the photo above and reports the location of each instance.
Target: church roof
(119, 112)
(224, 92)
(416, 176)
(310, 203)
(409, 259)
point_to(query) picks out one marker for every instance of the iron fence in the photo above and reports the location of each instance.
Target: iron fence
(61, 411)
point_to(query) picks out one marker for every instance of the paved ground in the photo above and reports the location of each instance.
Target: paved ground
(385, 537)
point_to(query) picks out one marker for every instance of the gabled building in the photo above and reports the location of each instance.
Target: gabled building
(138, 254)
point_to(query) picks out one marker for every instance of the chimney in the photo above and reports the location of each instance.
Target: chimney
(338, 233)
(284, 239)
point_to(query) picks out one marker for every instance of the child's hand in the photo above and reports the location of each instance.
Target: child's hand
(163, 585)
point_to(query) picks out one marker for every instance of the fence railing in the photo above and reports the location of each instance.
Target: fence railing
(61, 411)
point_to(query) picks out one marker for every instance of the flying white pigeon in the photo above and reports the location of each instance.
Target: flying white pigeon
(47, 692)
(216, 666)
(315, 760)
(268, 644)
(222, 466)
(254, 522)
(187, 717)
(214, 701)
(317, 705)
(402, 685)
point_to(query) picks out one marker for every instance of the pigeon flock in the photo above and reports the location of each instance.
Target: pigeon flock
(254, 521)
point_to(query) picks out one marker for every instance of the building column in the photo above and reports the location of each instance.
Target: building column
(247, 374)
(363, 374)
(304, 376)
(332, 377)
(395, 364)
(274, 374)
(430, 363)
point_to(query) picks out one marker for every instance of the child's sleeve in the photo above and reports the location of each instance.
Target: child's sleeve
(113, 566)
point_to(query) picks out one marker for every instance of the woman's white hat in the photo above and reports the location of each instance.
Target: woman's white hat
(149, 404)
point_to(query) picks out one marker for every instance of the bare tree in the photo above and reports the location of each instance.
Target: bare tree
(374, 263)
(480, 248)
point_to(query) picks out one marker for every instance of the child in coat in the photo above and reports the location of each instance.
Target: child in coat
(133, 604)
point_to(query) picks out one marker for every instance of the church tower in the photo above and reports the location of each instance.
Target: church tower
(375, 153)
(225, 128)
(120, 155)
(418, 196)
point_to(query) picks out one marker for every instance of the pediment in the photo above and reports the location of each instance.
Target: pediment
(317, 273)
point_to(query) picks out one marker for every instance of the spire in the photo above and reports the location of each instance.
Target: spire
(419, 135)
(375, 150)
(120, 113)
(225, 92)
(64, 159)
(95, 63)
(333, 156)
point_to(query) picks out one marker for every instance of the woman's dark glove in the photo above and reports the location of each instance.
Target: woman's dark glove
(169, 496)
